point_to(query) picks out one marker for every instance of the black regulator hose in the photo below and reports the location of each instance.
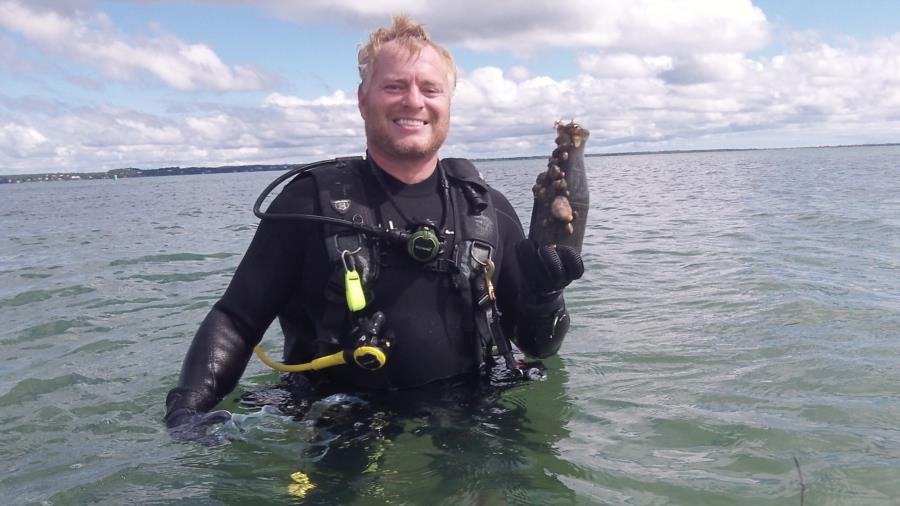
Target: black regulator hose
(398, 236)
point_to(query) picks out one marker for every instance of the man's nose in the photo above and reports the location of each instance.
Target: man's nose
(414, 98)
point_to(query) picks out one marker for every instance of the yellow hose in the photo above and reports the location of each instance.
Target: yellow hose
(319, 363)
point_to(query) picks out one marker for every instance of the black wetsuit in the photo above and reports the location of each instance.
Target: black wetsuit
(284, 274)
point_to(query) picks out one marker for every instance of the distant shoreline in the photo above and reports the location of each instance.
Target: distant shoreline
(132, 172)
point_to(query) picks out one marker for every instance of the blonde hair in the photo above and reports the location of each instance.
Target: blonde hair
(409, 35)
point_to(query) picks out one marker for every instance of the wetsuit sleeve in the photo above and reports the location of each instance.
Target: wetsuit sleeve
(263, 283)
(536, 323)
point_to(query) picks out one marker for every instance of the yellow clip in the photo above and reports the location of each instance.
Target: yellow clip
(356, 298)
(488, 274)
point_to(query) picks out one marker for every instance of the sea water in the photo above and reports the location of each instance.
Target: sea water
(735, 340)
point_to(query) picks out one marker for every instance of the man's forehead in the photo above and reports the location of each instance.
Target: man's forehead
(393, 50)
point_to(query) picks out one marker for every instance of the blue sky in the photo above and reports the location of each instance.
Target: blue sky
(87, 85)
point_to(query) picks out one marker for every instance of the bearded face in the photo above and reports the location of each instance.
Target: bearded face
(405, 104)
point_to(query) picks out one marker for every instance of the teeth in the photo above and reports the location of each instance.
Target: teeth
(410, 122)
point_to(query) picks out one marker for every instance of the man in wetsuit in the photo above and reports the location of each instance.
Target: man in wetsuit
(432, 314)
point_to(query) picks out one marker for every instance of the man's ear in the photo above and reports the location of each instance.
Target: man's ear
(361, 100)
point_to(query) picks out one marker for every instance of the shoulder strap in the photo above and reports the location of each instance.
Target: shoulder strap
(476, 217)
(342, 196)
(464, 170)
(477, 240)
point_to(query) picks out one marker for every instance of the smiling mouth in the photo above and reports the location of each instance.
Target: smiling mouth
(407, 122)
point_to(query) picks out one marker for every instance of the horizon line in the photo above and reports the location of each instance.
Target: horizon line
(526, 157)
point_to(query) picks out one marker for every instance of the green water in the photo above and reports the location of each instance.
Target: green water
(735, 341)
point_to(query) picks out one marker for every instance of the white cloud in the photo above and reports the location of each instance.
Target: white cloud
(526, 26)
(619, 65)
(91, 38)
(639, 102)
(281, 129)
(19, 141)
(711, 67)
(287, 101)
(519, 73)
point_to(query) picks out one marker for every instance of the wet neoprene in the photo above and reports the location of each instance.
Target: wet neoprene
(286, 269)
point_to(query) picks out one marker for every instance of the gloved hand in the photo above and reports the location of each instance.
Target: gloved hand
(548, 269)
(186, 425)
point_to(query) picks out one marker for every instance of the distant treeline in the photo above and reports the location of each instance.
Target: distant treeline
(133, 172)
(182, 171)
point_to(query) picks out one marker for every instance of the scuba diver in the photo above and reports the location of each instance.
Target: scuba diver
(389, 271)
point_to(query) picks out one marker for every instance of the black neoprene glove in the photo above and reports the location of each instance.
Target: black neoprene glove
(549, 268)
(186, 425)
(543, 320)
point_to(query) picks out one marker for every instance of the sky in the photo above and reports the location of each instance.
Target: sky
(91, 86)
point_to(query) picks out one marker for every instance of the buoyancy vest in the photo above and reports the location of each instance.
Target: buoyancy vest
(342, 195)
